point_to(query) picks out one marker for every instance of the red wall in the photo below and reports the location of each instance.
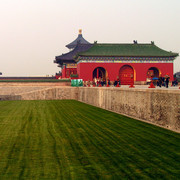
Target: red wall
(67, 75)
(85, 70)
(64, 72)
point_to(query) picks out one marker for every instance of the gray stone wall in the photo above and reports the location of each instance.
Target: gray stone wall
(161, 107)
(52, 94)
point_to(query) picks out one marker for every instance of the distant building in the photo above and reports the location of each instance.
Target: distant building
(128, 62)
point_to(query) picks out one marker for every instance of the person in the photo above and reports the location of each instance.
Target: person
(163, 81)
(115, 82)
(100, 81)
(104, 82)
(108, 81)
(95, 81)
(160, 81)
(118, 81)
(157, 82)
(167, 80)
(175, 82)
(89, 83)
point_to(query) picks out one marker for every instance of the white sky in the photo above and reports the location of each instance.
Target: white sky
(33, 32)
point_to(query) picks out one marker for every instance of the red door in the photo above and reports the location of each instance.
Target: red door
(126, 75)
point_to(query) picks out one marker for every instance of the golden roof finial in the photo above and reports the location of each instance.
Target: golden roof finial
(80, 31)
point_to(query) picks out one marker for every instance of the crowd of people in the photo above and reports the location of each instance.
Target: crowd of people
(161, 81)
(164, 81)
(104, 82)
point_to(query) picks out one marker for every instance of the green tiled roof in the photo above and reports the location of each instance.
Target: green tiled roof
(127, 50)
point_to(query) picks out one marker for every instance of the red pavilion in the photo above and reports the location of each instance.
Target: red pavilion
(129, 62)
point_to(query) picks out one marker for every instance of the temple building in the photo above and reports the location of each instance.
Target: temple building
(131, 62)
(66, 61)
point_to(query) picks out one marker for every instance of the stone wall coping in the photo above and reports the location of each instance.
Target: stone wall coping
(169, 91)
(47, 88)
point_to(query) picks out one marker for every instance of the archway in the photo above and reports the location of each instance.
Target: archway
(126, 75)
(100, 72)
(153, 72)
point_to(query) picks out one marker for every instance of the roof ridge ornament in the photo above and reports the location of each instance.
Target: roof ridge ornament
(80, 31)
(152, 42)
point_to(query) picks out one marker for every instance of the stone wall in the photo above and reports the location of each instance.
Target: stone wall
(14, 90)
(54, 93)
(161, 107)
(38, 93)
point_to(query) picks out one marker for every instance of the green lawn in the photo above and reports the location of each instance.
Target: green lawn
(71, 140)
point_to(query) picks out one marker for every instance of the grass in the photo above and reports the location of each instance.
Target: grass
(71, 140)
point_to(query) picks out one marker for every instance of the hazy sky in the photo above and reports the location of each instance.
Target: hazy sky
(33, 32)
